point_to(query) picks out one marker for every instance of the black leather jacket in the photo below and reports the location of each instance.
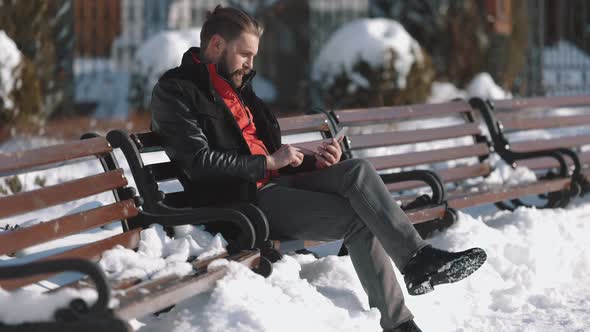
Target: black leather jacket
(201, 136)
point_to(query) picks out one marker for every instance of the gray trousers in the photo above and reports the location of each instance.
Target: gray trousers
(348, 201)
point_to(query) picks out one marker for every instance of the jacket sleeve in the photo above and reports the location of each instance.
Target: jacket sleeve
(186, 144)
(307, 165)
(309, 161)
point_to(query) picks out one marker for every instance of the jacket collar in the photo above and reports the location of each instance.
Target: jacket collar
(192, 64)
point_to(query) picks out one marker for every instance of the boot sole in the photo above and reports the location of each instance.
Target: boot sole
(455, 270)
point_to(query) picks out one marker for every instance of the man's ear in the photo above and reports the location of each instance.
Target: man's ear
(218, 43)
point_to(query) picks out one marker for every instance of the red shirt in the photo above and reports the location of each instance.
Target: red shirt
(242, 114)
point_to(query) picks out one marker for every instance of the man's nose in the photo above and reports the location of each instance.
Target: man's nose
(250, 63)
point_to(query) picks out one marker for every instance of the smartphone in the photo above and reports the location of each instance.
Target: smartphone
(312, 147)
(341, 133)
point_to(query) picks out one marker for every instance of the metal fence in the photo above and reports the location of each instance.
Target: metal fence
(559, 52)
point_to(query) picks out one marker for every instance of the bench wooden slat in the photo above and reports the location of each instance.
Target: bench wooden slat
(546, 162)
(46, 231)
(362, 116)
(155, 295)
(427, 214)
(303, 123)
(430, 156)
(463, 200)
(92, 251)
(549, 144)
(447, 175)
(510, 121)
(134, 283)
(412, 136)
(16, 162)
(542, 102)
(61, 193)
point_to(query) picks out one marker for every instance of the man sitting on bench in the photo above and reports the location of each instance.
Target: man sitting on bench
(228, 145)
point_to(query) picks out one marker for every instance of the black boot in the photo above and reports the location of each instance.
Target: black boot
(408, 326)
(431, 267)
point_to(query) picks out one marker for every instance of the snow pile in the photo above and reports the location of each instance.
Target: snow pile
(482, 85)
(302, 294)
(159, 255)
(442, 92)
(504, 175)
(370, 40)
(162, 52)
(28, 306)
(10, 58)
(535, 279)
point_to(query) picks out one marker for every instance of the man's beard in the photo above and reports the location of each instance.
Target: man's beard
(236, 77)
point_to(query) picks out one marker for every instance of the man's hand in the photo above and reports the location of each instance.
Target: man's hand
(328, 154)
(285, 155)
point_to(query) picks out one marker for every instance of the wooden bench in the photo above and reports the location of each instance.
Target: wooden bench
(152, 179)
(458, 151)
(507, 119)
(135, 297)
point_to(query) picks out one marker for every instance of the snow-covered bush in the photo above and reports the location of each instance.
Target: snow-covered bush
(482, 86)
(10, 60)
(164, 51)
(158, 54)
(372, 62)
(462, 40)
(20, 90)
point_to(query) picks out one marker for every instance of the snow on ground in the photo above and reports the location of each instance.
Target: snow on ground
(33, 306)
(10, 58)
(536, 279)
(369, 39)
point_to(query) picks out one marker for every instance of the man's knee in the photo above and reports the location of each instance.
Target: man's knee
(357, 169)
(358, 165)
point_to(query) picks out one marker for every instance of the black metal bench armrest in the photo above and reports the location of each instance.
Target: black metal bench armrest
(432, 179)
(511, 157)
(63, 265)
(258, 220)
(502, 145)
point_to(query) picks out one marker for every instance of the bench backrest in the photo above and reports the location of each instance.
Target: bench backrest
(77, 187)
(542, 123)
(391, 138)
(156, 176)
